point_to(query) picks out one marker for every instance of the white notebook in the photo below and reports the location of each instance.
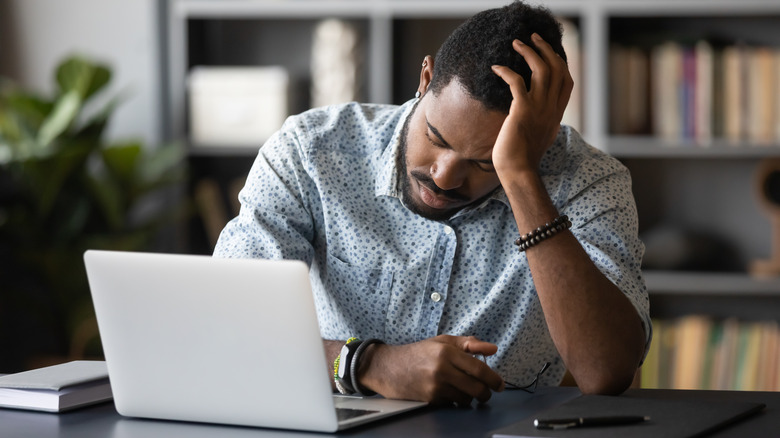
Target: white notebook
(56, 388)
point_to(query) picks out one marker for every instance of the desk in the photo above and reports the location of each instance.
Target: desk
(503, 409)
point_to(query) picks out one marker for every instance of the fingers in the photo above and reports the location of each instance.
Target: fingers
(551, 79)
(559, 71)
(479, 373)
(454, 384)
(540, 79)
(559, 81)
(473, 345)
(515, 81)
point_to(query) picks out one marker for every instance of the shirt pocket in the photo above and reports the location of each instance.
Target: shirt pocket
(360, 295)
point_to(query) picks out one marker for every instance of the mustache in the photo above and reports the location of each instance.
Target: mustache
(428, 182)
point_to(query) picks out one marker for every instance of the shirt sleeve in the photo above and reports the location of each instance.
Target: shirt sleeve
(605, 222)
(275, 220)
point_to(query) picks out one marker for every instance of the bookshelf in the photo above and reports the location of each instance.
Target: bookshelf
(679, 182)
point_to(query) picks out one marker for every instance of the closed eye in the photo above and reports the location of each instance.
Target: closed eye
(434, 142)
(483, 165)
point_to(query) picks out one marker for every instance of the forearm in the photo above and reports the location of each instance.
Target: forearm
(593, 324)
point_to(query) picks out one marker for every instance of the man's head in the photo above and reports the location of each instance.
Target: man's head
(485, 40)
(448, 139)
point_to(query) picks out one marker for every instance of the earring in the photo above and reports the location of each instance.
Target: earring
(417, 95)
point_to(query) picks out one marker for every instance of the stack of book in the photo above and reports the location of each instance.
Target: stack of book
(700, 352)
(693, 93)
(57, 388)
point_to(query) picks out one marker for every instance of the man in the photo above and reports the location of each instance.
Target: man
(408, 217)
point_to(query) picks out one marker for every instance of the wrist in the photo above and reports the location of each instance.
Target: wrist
(522, 183)
(510, 168)
(530, 202)
(368, 370)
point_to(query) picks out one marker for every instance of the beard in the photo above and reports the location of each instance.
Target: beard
(424, 179)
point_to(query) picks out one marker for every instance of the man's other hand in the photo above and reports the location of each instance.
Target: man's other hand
(438, 370)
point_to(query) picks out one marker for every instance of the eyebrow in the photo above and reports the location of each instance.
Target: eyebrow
(447, 145)
(438, 134)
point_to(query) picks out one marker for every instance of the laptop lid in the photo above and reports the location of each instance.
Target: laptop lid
(229, 341)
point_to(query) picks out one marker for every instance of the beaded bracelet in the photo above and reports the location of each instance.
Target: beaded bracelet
(548, 230)
(343, 361)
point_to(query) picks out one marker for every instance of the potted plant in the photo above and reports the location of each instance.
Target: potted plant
(64, 188)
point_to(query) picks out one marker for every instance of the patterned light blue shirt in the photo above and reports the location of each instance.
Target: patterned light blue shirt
(325, 189)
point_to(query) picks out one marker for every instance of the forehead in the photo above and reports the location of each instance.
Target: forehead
(462, 120)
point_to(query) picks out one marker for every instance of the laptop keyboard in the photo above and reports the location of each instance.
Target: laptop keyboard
(348, 413)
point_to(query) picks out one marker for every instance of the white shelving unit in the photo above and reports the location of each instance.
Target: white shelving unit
(220, 31)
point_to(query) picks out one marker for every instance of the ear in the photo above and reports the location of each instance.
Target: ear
(426, 74)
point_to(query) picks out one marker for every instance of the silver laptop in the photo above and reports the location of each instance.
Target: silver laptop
(227, 341)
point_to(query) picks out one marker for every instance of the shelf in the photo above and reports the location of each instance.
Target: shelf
(717, 295)
(652, 147)
(710, 284)
(348, 8)
(708, 188)
(663, 8)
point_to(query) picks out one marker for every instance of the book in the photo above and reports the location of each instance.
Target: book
(667, 85)
(629, 90)
(761, 95)
(726, 377)
(690, 343)
(652, 363)
(703, 95)
(57, 388)
(734, 95)
(667, 353)
(710, 365)
(766, 356)
(702, 352)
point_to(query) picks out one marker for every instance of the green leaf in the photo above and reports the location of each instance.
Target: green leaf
(163, 164)
(47, 176)
(82, 76)
(65, 111)
(109, 200)
(32, 109)
(95, 126)
(122, 160)
(10, 128)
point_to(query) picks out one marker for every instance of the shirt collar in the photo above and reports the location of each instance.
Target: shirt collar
(388, 181)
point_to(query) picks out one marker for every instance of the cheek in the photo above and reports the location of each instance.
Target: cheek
(418, 155)
(482, 183)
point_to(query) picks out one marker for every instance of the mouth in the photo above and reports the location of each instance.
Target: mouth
(435, 200)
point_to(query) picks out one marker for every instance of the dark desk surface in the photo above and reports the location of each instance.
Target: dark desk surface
(502, 410)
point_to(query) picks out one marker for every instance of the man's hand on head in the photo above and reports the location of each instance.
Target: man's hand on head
(536, 112)
(437, 370)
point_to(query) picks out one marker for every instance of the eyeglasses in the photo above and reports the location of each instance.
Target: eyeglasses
(531, 387)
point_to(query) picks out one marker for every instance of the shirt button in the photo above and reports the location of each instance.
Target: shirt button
(436, 297)
(447, 230)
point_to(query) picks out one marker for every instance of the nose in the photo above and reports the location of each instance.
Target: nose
(447, 172)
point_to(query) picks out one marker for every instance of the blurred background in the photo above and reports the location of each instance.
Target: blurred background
(132, 124)
(82, 163)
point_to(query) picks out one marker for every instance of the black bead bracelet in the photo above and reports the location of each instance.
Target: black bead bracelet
(548, 230)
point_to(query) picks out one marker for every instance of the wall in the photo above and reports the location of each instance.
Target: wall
(36, 34)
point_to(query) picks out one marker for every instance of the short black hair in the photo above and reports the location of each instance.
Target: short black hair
(484, 40)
